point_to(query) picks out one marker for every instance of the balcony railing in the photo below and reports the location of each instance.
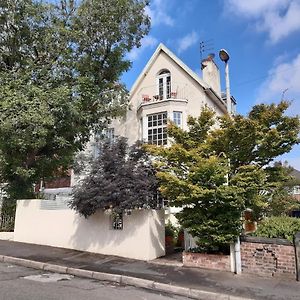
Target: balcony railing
(157, 93)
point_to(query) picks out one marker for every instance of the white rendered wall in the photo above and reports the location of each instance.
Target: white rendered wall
(8, 236)
(142, 237)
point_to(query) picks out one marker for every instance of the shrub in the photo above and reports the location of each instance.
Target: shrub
(278, 227)
(7, 215)
(122, 178)
(170, 230)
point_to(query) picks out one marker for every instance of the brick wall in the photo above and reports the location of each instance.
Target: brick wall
(207, 261)
(55, 183)
(268, 257)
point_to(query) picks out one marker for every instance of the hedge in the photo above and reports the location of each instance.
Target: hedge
(278, 227)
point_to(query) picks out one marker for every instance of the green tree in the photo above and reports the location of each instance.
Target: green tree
(251, 144)
(121, 179)
(60, 64)
(215, 173)
(193, 177)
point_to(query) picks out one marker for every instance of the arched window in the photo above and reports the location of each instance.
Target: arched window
(164, 84)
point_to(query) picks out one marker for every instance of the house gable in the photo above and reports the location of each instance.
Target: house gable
(163, 58)
(175, 59)
(166, 86)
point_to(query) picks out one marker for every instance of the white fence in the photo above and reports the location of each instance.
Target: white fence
(46, 222)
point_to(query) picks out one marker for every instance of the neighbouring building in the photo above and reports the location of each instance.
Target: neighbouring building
(296, 189)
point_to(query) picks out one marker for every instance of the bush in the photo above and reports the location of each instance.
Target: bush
(7, 215)
(278, 227)
(122, 178)
(170, 230)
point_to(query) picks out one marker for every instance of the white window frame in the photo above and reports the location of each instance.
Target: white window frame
(177, 118)
(157, 128)
(110, 134)
(107, 134)
(166, 85)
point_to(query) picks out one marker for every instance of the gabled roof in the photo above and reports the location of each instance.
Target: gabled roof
(162, 47)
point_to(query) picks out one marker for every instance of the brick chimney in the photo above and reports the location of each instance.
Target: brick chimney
(211, 74)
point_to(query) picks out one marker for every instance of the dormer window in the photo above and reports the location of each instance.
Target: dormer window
(164, 84)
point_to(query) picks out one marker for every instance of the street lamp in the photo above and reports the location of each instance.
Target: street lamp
(235, 249)
(224, 56)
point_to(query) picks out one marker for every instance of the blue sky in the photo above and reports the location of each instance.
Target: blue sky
(261, 36)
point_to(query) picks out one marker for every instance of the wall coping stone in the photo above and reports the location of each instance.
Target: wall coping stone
(264, 240)
(204, 253)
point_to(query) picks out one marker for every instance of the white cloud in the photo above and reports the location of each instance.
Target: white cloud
(254, 8)
(147, 42)
(279, 18)
(187, 41)
(283, 77)
(157, 11)
(281, 58)
(283, 81)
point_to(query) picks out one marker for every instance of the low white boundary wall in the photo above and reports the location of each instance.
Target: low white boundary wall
(46, 223)
(8, 236)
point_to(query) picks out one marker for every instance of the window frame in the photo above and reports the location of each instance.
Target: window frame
(177, 113)
(164, 83)
(157, 128)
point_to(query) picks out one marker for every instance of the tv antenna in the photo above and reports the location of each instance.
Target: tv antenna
(206, 46)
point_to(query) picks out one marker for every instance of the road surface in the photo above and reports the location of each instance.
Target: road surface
(20, 283)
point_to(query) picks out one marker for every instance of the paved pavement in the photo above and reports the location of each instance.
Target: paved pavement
(20, 283)
(217, 285)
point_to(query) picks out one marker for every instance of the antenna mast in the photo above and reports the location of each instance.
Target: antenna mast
(206, 46)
